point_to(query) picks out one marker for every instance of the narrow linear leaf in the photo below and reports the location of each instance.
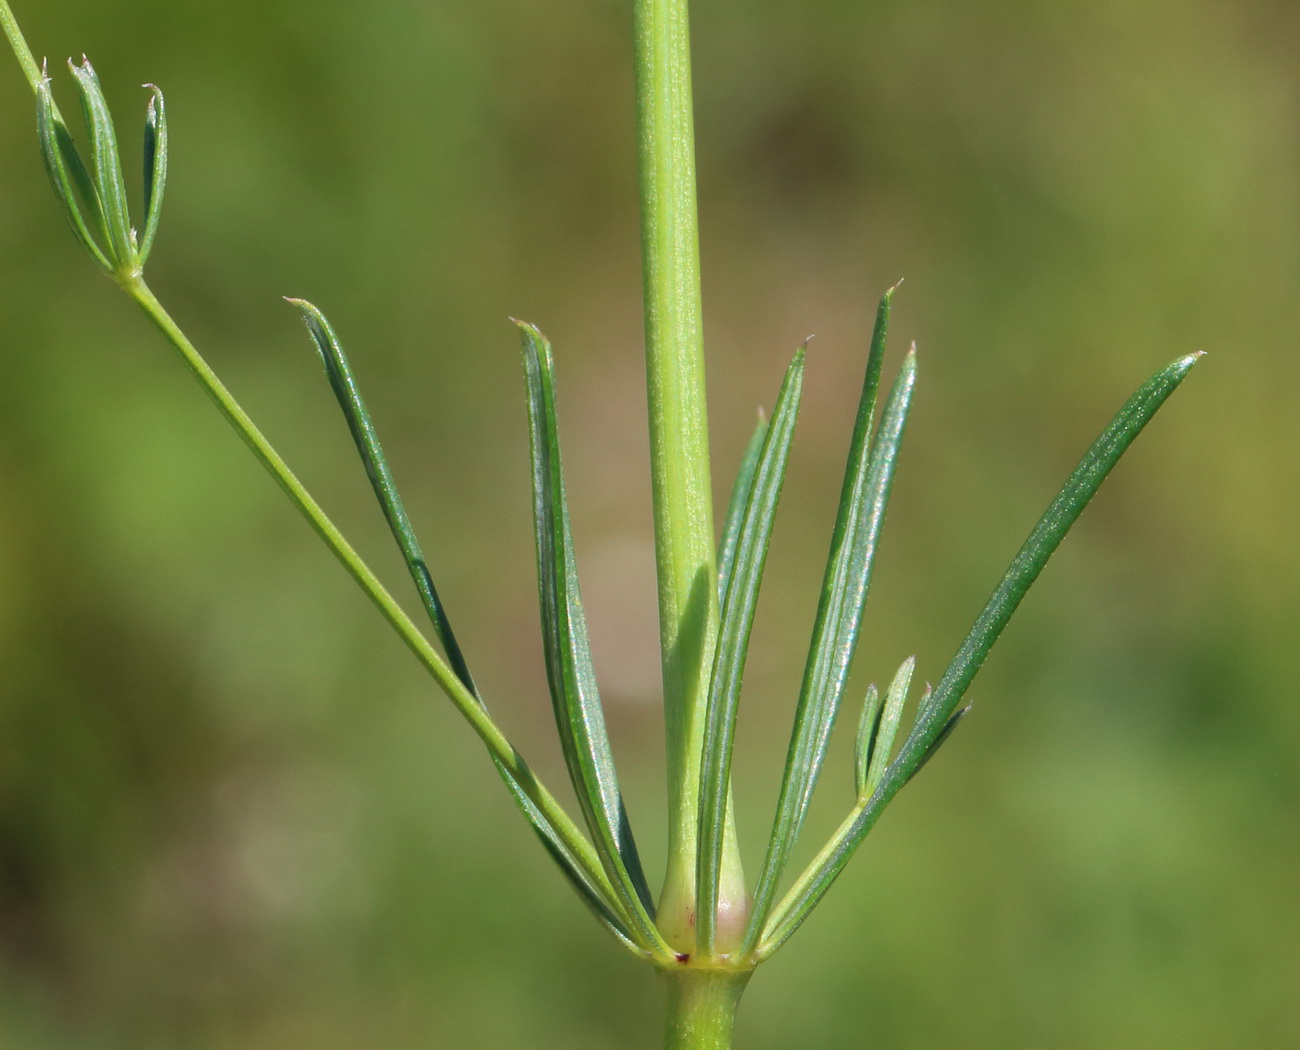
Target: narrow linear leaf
(1046, 536)
(868, 727)
(883, 746)
(107, 165)
(868, 477)
(343, 383)
(155, 167)
(938, 715)
(68, 175)
(578, 713)
(736, 505)
(744, 578)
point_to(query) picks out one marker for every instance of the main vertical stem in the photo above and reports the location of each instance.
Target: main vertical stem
(702, 1008)
(679, 436)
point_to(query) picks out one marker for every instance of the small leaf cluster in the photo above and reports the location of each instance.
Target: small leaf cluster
(93, 195)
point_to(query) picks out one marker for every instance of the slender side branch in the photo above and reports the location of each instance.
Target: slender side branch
(31, 69)
(502, 751)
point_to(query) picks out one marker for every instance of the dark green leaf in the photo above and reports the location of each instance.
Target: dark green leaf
(939, 741)
(68, 175)
(736, 505)
(107, 166)
(346, 391)
(345, 388)
(744, 578)
(868, 727)
(578, 712)
(868, 477)
(937, 716)
(1046, 536)
(155, 167)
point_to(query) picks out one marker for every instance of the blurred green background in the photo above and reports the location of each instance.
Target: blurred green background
(233, 814)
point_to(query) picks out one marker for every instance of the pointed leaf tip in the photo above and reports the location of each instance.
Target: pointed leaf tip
(322, 333)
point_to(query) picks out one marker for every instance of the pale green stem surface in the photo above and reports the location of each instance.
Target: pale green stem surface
(702, 1007)
(679, 443)
(19, 44)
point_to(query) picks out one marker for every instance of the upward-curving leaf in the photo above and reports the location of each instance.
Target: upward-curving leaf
(578, 713)
(107, 166)
(887, 729)
(744, 576)
(155, 167)
(939, 713)
(1046, 536)
(867, 479)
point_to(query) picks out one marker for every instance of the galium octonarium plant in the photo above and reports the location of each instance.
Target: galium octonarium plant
(708, 928)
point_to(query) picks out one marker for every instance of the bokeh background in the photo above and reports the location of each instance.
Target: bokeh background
(233, 814)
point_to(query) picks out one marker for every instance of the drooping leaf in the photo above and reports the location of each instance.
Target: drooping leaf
(744, 576)
(937, 717)
(868, 477)
(155, 167)
(578, 713)
(736, 505)
(106, 165)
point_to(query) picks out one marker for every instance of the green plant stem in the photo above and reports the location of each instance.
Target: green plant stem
(679, 440)
(22, 52)
(466, 703)
(702, 1007)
